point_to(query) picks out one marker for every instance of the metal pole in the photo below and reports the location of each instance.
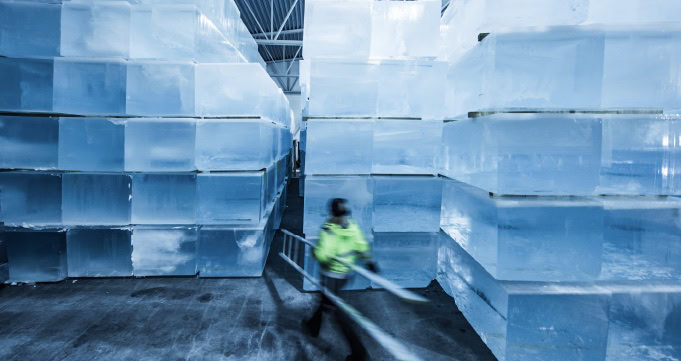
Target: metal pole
(286, 19)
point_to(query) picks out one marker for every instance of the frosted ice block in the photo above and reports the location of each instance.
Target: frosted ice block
(26, 84)
(30, 198)
(407, 204)
(406, 146)
(404, 28)
(233, 144)
(29, 28)
(28, 142)
(337, 29)
(163, 198)
(233, 252)
(89, 87)
(99, 252)
(153, 144)
(408, 259)
(96, 199)
(526, 238)
(36, 256)
(230, 198)
(162, 88)
(411, 89)
(320, 190)
(339, 146)
(95, 28)
(164, 251)
(92, 144)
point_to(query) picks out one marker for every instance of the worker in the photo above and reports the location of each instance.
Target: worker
(340, 237)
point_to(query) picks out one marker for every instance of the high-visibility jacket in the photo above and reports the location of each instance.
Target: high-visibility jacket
(341, 242)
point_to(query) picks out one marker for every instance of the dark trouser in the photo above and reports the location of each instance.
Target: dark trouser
(315, 323)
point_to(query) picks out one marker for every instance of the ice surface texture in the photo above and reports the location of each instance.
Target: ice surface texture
(99, 252)
(566, 154)
(36, 256)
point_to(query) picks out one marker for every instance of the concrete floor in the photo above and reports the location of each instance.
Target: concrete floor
(211, 319)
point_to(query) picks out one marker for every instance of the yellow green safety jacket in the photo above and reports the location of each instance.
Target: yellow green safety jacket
(342, 242)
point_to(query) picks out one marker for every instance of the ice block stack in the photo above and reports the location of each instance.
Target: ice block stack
(373, 98)
(137, 138)
(562, 152)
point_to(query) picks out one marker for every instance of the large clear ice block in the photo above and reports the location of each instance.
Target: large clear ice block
(26, 84)
(404, 28)
(406, 146)
(232, 252)
(230, 198)
(36, 256)
(29, 198)
(411, 89)
(164, 251)
(320, 190)
(339, 146)
(28, 142)
(337, 29)
(91, 144)
(163, 198)
(95, 28)
(162, 145)
(408, 259)
(96, 199)
(233, 144)
(161, 88)
(89, 87)
(163, 31)
(526, 238)
(99, 252)
(407, 204)
(29, 28)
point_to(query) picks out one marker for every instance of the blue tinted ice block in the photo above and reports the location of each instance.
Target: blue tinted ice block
(95, 29)
(325, 20)
(92, 144)
(164, 251)
(410, 89)
(526, 238)
(407, 204)
(233, 144)
(319, 191)
(96, 199)
(30, 198)
(162, 88)
(405, 29)
(99, 252)
(36, 256)
(406, 146)
(408, 259)
(29, 28)
(165, 145)
(230, 198)
(26, 84)
(339, 146)
(163, 198)
(28, 142)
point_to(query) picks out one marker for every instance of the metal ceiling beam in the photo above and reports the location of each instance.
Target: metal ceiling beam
(284, 32)
(279, 42)
(286, 19)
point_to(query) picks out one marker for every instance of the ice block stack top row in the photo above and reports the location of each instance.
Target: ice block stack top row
(558, 68)
(109, 87)
(201, 31)
(53, 199)
(368, 29)
(464, 20)
(388, 88)
(141, 144)
(566, 154)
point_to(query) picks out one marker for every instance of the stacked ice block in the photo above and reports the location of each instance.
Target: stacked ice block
(373, 98)
(137, 138)
(562, 157)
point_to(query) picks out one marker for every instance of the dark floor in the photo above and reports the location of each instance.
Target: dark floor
(211, 319)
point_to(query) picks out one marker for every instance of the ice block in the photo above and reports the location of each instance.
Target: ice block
(404, 29)
(28, 142)
(411, 89)
(99, 252)
(406, 146)
(231, 197)
(30, 198)
(36, 256)
(26, 84)
(160, 88)
(337, 29)
(407, 204)
(29, 28)
(153, 144)
(163, 198)
(233, 144)
(320, 190)
(96, 199)
(91, 144)
(95, 29)
(164, 251)
(408, 259)
(233, 252)
(339, 146)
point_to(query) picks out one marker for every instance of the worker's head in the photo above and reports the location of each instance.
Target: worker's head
(339, 207)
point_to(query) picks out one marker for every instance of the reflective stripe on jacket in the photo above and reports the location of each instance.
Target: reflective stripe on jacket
(344, 243)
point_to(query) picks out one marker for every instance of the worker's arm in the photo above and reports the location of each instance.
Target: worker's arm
(324, 251)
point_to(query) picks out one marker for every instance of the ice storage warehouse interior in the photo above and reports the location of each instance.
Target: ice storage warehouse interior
(518, 163)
